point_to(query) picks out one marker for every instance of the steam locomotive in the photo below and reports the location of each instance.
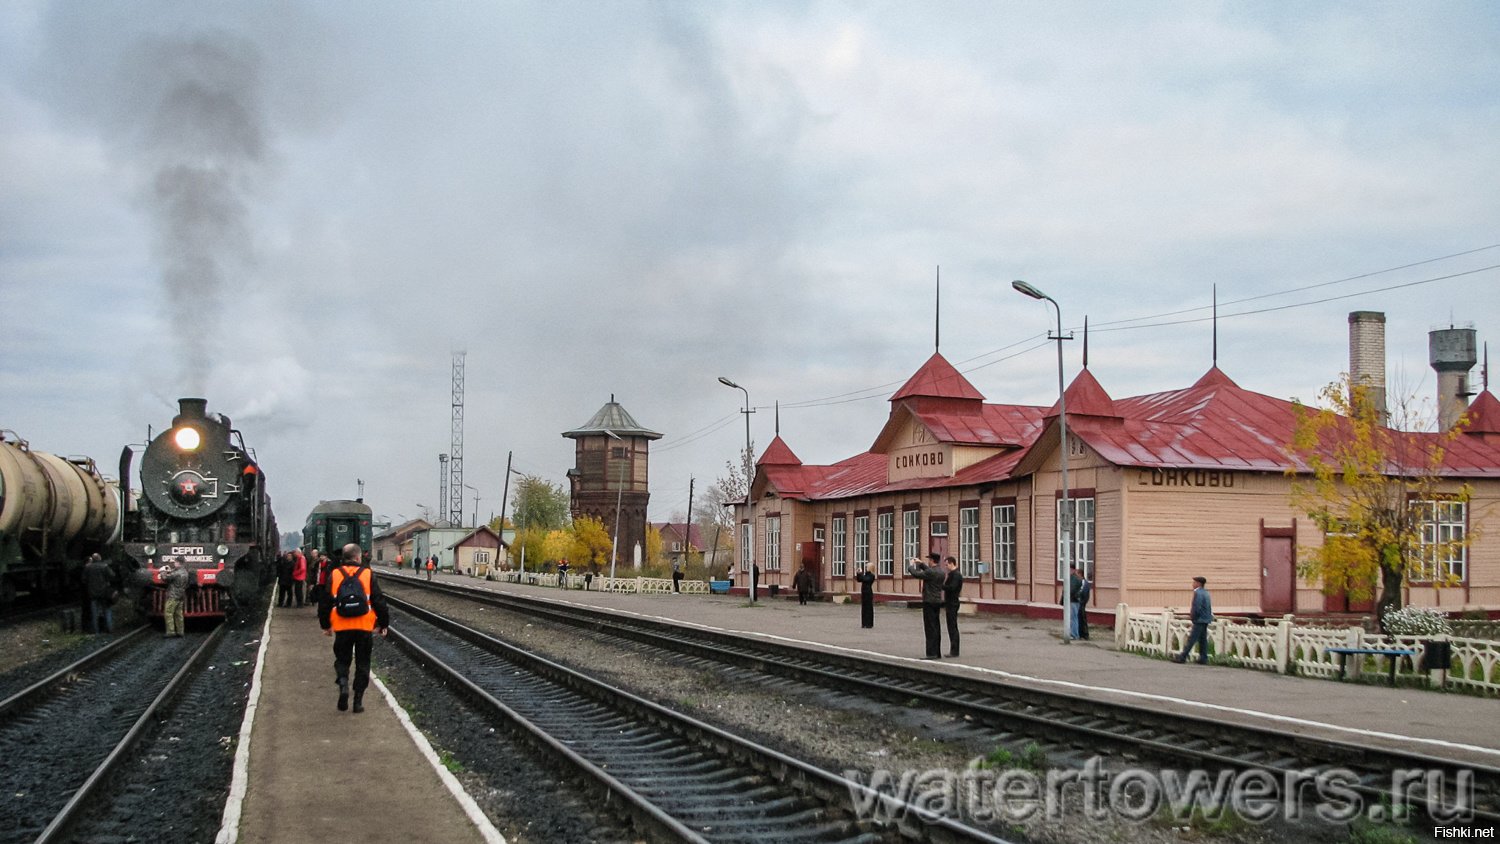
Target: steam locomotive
(54, 512)
(203, 502)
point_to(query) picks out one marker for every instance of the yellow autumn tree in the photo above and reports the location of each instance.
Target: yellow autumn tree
(591, 541)
(1375, 492)
(558, 546)
(654, 545)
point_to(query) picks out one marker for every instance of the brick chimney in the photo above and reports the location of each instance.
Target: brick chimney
(1367, 357)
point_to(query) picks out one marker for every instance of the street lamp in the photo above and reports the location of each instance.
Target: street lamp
(749, 477)
(1066, 522)
(614, 544)
(474, 523)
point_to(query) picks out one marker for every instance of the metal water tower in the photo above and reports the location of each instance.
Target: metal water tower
(1451, 351)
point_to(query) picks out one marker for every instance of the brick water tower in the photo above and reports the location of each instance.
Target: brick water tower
(612, 456)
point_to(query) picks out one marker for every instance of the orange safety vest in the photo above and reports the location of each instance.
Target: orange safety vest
(365, 622)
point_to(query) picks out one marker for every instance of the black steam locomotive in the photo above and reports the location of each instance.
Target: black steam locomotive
(203, 501)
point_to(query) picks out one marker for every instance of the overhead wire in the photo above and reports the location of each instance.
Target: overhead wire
(1122, 325)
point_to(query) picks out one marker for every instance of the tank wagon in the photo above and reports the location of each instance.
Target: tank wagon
(202, 500)
(333, 524)
(54, 512)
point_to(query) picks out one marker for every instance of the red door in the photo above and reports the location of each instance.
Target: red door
(1277, 575)
(812, 560)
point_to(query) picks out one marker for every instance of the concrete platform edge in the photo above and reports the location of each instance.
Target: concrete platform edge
(476, 814)
(239, 781)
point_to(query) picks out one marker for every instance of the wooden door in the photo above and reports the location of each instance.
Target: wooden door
(1278, 575)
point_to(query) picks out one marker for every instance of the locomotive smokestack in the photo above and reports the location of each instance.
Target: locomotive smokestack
(191, 409)
(1367, 358)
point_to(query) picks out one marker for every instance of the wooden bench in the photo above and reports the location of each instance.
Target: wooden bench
(1391, 655)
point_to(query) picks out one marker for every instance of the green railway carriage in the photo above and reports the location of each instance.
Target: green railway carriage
(333, 524)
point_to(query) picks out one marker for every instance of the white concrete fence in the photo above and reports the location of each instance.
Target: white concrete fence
(601, 583)
(1286, 647)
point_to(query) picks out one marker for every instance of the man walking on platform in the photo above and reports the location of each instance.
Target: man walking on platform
(352, 610)
(932, 578)
(953, 583)
(1202, 616)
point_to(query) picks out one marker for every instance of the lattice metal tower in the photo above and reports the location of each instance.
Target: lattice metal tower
(442, 488)
(456, 449)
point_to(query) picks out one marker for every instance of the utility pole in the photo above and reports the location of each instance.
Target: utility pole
(687, 529)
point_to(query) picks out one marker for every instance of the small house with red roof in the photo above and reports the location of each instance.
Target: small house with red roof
(1165, 486)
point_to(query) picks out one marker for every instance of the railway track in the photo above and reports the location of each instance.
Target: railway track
(1071, 727)
(62, 737)
(679, 779)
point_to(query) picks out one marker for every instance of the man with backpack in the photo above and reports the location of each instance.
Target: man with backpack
(351, 609)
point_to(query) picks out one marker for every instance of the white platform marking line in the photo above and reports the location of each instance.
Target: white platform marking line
(1146, 696)
(229, 827)
(476, 814)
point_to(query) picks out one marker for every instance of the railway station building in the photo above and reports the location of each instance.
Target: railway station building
(1168, 485)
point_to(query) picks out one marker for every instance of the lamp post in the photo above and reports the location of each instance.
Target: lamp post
(749, 477)
(614, 544)
(1065, 526)
(474, 522)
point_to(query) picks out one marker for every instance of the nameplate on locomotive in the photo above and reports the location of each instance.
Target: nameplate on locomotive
(190, 553)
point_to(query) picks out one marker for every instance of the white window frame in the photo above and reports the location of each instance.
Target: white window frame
(861, 542)
(773, 543)
(840, 546)
(1083, 537)
(968, 541)
(1444, 521)
(885, 540)
(1003, 538)
(911, 533)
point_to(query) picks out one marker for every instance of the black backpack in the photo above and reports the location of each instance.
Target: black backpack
(351, 601)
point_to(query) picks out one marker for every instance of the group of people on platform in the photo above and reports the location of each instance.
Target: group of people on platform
(942, 584)
(418, 564)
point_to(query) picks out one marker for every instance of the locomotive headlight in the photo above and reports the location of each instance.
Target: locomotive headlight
(187, 438)
(150, 550)
(222, 549)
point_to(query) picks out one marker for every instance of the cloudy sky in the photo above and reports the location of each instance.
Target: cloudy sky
(301, 210)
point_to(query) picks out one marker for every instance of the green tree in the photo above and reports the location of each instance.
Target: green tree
(1373, 490)
(540, 504)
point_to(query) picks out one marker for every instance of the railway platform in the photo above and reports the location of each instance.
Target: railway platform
(304, 759)
(1031, 652)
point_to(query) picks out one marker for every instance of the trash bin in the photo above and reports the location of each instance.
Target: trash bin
(1437, 655)
(775, 589)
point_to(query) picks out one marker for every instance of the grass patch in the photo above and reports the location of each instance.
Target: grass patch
(1031, 758)
(450, 762)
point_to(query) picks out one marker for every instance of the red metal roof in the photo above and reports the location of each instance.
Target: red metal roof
(1214, 424)
(1484, 415)
(938, 378)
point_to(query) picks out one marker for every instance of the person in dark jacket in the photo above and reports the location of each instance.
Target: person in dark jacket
(102, 586)
(866, 581)
(953, 584)
(802, 581)
(1201, 616)
(284, 565)
(353, 636)
(932, 577)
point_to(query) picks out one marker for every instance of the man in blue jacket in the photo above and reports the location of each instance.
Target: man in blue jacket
(1202, 616)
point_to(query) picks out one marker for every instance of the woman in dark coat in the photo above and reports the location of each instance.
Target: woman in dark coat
(866, 581)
